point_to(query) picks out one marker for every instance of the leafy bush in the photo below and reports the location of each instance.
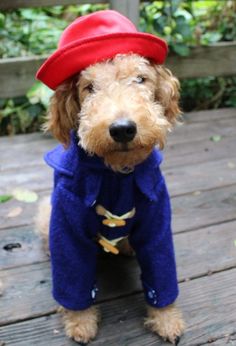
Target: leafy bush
(35, 31)
(189, 23)
(24, 114)
(182, 23)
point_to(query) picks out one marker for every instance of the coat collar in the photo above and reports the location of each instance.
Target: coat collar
(74, 159)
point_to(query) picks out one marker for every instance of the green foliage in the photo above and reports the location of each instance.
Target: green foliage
(208, 93)
(5, 198)
(183, 23)
(24, 114)
(36, 30)
(188, 23)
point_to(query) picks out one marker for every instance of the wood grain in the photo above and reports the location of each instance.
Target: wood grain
(30, 250)
(180, 180)
(209, 115)
(182, 146)
(209, 306)
(201, 209)
(175, 154)
(128, 8)
(215, 60)
(192, 211)
(27, 215)
(196, 254)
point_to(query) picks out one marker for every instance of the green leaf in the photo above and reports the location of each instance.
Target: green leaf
(2, 20)
(216, 138)
(175, 4)
(167, 30)
(5, 198)
(181, 49)
(211, 37)
(25, 195)
(39, 93)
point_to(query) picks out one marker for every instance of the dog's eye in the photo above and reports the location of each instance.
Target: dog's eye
(140, 79)
(89, 88)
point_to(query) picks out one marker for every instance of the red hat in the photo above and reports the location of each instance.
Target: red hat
(96, 37)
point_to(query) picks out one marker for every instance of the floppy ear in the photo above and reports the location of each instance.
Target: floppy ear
(167, 93)
(63, 111)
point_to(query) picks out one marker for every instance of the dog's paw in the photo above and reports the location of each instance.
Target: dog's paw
(166, 322)
(82, 326)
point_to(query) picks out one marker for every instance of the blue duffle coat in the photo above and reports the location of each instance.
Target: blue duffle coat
(81, 182)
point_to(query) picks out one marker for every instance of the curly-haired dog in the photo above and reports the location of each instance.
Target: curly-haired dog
(110, 117)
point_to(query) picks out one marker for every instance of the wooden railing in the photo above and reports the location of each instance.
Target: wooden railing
(17, 74)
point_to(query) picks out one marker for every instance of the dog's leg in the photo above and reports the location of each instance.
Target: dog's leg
(42, 221)
(167, 322)
(82, 326)
(125, 248)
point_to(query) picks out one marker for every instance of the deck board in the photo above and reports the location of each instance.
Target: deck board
(196, 254)
(190, 211)
(201, 176)
(208, 304)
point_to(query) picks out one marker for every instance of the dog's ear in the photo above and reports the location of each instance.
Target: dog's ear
(63, 111)
(167, 93)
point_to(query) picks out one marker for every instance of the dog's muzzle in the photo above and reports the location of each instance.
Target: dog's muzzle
(123, 130)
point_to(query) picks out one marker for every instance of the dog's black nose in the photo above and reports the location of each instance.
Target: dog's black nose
(123, 130)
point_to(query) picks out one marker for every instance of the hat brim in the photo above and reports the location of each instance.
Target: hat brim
(73, 58)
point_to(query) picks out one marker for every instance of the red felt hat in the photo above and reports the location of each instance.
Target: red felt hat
(96, 37)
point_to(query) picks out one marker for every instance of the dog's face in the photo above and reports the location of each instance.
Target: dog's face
(121, 109)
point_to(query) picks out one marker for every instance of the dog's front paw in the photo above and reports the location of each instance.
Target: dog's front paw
(82, 326)
(166, 322)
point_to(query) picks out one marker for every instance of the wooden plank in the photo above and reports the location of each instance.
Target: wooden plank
(181, 180)
(196, 254)
(196, 116)
(36, 178)
(196, 152)
(209, 306)
(29, 149)
(216, 60)
(203, 209)
(227, 339)
(25, 154)
(200, 177)
(190, 212)
(26, 212)
(30, 248)
(20, 69)
(129, 8)
(15, 140)
(174, 155)
(209, 115)
(14, 4)
(186, 133)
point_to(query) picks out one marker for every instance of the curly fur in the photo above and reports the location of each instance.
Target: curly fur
(153, 105)
(166, 322)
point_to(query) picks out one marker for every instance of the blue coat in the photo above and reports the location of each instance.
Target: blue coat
(82, 182)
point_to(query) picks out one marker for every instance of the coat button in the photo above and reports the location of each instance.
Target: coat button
(150, 294)
(94, 292)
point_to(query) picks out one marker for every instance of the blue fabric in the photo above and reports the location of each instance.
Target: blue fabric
(80, 183)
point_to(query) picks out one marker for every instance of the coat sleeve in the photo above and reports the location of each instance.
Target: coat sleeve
(153, 244)
(73, 252)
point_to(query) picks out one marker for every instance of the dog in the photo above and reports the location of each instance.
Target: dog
(112, 109)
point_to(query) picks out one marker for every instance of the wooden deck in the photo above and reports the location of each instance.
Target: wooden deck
(201, 175)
